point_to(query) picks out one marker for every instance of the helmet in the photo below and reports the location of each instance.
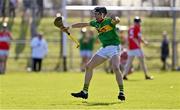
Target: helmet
(137, 19)
(100, 10)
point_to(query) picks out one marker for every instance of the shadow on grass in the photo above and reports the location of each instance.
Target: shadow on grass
(133, 80)
(100, 103)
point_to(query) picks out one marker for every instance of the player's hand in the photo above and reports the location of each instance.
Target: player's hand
(117, 19)
(64, 29)
(146, 42)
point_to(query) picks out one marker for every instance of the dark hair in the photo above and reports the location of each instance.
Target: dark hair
(137, 19)
(100, 10)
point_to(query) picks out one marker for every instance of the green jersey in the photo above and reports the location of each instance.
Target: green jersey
(107, 32)
(86, 43)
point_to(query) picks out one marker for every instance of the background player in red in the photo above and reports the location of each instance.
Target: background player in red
(135, 50)
(123, 61)
(5, 38)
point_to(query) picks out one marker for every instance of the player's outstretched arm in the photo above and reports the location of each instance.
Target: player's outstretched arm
(80, 25)
(77, 25)
(144, 41)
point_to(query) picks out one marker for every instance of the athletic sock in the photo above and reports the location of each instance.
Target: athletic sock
(85, 88)
(121, 88)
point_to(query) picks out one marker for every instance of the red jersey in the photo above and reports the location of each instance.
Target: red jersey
(5, 38)
(123, 56)
(134, 32)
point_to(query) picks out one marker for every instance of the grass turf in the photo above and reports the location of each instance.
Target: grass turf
(52, 91)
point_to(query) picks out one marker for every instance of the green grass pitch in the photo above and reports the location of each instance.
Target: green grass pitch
(52, 91)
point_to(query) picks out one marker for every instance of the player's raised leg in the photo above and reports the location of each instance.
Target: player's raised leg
(119, 77)
(94, 62)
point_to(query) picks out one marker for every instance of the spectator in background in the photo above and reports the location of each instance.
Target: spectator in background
(1, 6)
(12, 7)
(40, 7)
(39, 50)
(27, 5)
(164, 50)
(86, 47)
(5, 38)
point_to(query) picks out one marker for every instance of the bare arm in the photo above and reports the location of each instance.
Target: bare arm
(80, 25)
(77, 25)
(144, 41)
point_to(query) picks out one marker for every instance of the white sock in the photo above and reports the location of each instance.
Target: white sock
(85, 91)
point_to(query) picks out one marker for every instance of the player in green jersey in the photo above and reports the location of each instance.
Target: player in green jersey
(86, 47)
(110, 49)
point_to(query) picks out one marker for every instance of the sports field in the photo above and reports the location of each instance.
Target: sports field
(52, 91)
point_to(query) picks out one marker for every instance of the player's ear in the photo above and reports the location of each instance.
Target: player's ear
(103, 15)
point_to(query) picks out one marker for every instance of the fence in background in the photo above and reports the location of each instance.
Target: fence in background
(53, 61)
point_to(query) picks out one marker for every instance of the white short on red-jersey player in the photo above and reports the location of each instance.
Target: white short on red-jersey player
(5, 38)
(134, 43)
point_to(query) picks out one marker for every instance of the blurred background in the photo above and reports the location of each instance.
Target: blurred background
(25, 18)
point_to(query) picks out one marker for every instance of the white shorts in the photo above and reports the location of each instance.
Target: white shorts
(4, 52)
(136, 53)
(109, 51)
(86, 53)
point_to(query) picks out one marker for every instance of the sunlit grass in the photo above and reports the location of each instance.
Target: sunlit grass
(51, 90)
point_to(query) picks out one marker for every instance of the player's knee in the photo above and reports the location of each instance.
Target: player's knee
(88, 67)
(115, 68)
(2, 59)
